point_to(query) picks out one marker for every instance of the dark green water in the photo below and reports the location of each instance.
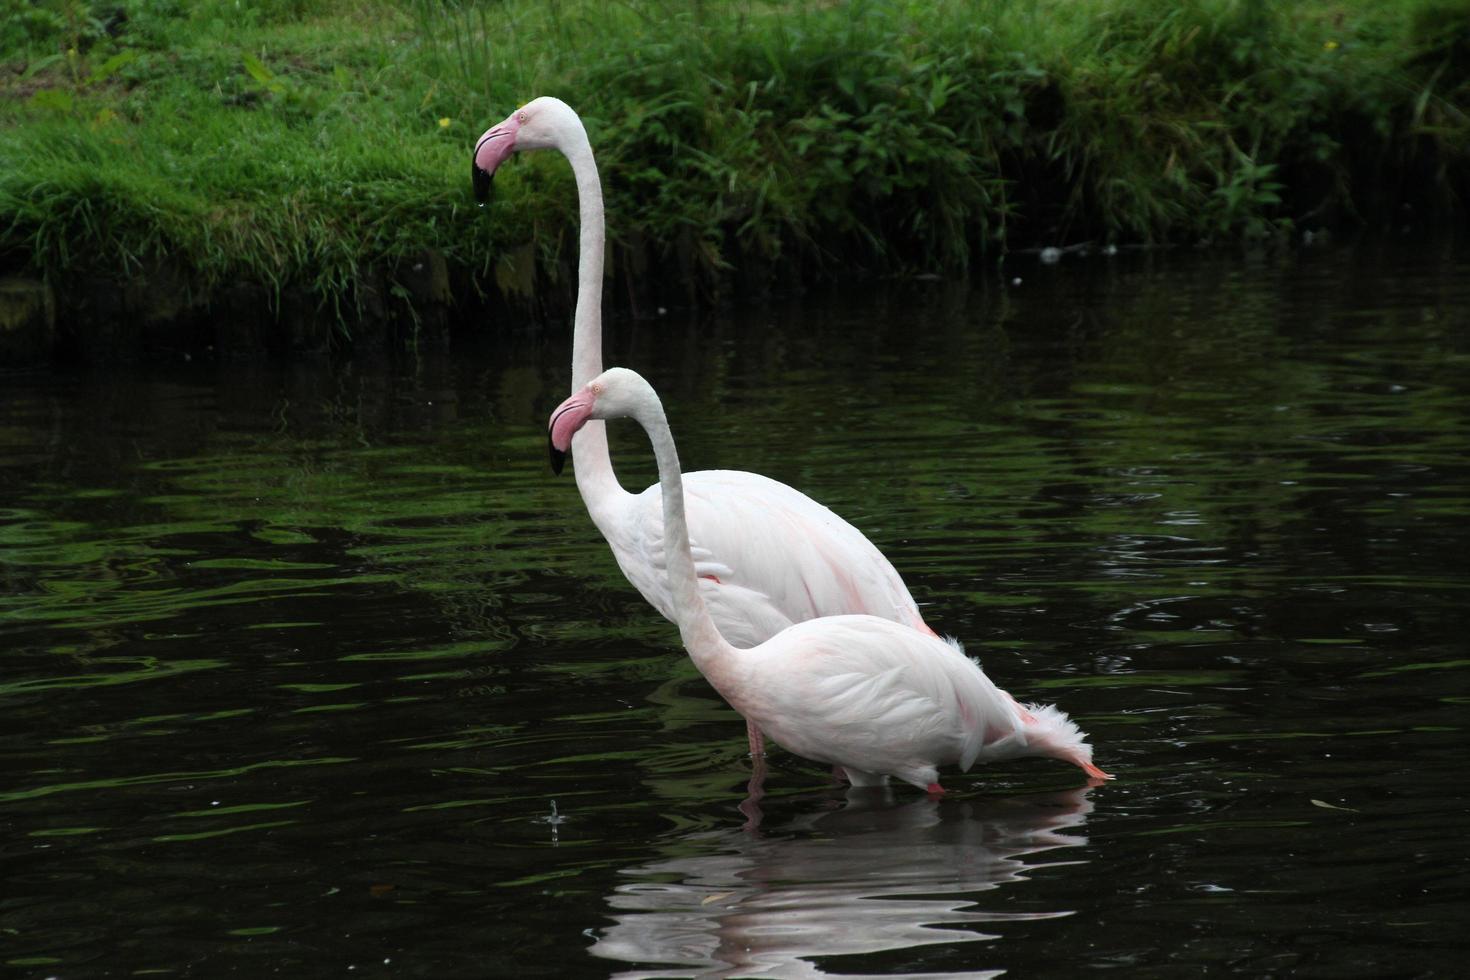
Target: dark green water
(317, 671)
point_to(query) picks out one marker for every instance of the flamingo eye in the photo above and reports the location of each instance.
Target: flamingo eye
(595, 389)
(520, 117)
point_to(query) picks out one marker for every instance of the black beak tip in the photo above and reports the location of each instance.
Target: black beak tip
(484, 182)
(558, 458)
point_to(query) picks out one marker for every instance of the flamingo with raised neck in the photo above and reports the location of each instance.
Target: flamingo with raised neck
(864, 693)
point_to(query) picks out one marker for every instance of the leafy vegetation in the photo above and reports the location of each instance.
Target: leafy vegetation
(311, 143)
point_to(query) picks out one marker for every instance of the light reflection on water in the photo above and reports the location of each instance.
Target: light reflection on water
(293, 660)
(873, 876)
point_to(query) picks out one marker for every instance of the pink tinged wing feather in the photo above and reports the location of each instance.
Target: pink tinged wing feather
(784, 557)
(871, 695)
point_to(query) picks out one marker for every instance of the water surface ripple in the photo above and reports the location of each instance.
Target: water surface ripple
(317, 670)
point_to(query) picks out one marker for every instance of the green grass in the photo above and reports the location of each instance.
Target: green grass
(307, 144)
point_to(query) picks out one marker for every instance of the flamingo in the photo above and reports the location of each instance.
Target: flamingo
(863, 693)
(766, 555)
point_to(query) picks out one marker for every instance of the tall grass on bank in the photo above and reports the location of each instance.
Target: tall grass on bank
(302, 142)
(202, 156)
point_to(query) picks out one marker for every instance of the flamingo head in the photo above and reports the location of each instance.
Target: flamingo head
(569, 416)
(1050, 732)
(541, 124)
(615, 393)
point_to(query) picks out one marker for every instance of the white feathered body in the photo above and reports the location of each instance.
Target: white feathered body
(767, 555)
(879, 699)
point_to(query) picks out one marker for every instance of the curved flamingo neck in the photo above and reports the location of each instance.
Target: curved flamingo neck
(710, 651)
(596, 480)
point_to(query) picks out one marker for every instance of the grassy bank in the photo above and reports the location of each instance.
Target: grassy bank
(313, 146)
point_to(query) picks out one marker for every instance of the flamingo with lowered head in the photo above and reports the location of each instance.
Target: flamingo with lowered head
(766, 555)
(864, 693)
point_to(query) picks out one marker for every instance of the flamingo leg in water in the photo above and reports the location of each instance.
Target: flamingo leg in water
(757, 740)
(755, 791)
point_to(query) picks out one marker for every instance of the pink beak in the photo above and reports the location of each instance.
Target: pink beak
(569, 416)
(497, 143)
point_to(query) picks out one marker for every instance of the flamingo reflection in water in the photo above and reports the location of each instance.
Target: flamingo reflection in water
(869, 878)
